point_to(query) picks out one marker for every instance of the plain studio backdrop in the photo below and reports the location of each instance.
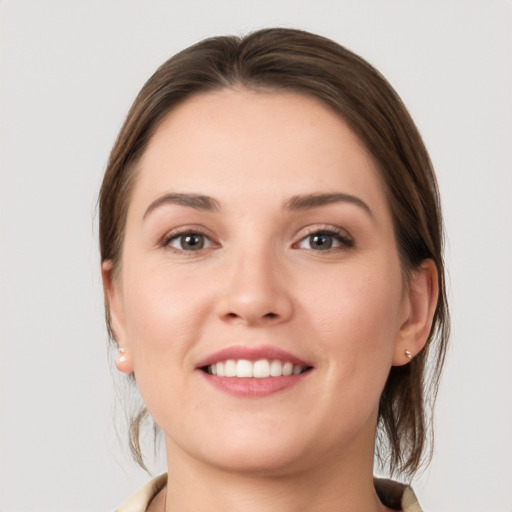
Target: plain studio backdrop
(69, 72)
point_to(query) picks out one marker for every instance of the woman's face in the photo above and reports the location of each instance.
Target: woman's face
(259, 240)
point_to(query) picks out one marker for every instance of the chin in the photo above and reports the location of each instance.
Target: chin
(257, 460)
(252, 450)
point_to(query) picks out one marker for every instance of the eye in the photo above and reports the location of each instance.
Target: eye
(325, 240)
(188, 242)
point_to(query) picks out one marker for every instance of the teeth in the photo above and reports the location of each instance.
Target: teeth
(287, 368)
(230, 368)
(297, 369)
(276, 369)
(243, 369)
(262, 369)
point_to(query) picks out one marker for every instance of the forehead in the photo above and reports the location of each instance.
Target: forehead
(240, 144)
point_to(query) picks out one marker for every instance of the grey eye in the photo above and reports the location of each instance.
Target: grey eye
(325, 241)
(188, 242)
(320, 241)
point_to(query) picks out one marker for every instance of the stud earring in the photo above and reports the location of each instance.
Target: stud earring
(123, 361)
(122, 355)
(408, 354)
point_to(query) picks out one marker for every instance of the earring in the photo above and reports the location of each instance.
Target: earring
(408, 354)
(124, 361)
(122, 355)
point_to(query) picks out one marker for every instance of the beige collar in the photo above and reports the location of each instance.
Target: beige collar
(391, 493)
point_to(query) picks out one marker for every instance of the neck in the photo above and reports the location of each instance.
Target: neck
(343, 485)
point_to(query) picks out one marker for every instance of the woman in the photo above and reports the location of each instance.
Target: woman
(271, 247)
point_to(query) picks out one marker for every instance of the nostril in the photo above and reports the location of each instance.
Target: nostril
(270, 315)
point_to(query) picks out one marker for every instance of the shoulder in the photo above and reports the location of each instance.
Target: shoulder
(393, 494)
(396, 496)
(141, 499)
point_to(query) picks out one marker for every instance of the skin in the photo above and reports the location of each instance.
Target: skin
(258, 280)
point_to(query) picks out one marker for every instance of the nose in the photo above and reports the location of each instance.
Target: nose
(255, 291)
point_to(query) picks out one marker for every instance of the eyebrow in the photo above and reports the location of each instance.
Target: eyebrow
(196, 201)
(300, 202)
(308, 201)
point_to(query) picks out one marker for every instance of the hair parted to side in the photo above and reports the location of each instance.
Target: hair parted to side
(298, 61)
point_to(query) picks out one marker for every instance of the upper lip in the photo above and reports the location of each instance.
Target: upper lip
(251, 354)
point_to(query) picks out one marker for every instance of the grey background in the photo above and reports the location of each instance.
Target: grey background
(69, 72)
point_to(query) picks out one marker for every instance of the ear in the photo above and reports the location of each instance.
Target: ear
(419, 307)
(115, 315)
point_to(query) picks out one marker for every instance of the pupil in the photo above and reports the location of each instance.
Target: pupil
(192, 242)
(321, 242)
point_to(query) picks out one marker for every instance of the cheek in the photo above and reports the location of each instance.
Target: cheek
(163, 313)
(357, 328)
(357, 318)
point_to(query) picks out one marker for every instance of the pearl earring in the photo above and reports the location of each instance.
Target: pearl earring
(122, 355)
(408, 354)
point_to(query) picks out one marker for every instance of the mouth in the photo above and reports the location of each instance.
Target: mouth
(252, 372)
(260, 369)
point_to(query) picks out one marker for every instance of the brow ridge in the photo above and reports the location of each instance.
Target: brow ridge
(298, 202)
(196, 201)
(308, 201)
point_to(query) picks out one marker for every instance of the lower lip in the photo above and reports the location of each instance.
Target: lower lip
(252, 387)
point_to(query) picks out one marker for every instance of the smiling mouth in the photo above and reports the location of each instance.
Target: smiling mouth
(261, 369)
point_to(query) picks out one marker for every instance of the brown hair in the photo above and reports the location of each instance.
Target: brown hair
(294, 60)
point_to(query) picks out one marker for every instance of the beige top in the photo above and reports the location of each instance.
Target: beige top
(393, 494)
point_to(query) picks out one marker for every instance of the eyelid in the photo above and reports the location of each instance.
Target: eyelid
(186, 230)
(344, 237)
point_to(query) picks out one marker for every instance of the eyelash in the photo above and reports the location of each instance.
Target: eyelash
(344, 240)
(176, 235)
